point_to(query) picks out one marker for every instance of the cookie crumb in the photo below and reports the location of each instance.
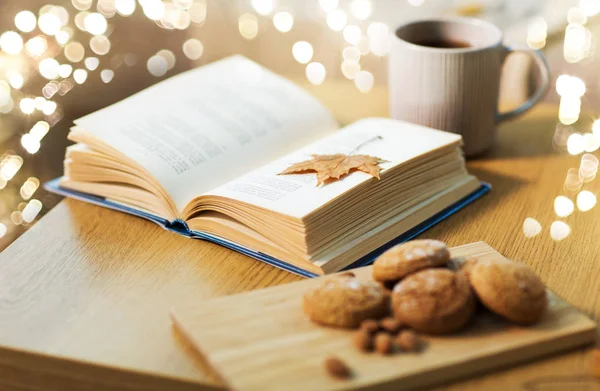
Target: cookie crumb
(362, 341)
(337, 368)
(369, 326)
(390, 325)
(408, 341)
(383, 343)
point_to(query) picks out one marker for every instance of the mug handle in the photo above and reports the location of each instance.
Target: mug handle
(542, 64)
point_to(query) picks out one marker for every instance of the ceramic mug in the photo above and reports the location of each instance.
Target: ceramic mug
(445, 74)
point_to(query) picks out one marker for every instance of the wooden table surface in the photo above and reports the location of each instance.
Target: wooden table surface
(85, 294)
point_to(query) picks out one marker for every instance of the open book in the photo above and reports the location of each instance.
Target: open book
(200, 154)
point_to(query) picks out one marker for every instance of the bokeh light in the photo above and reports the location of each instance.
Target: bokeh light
(361, 9)
(100, 45)
(283, 21)
(302, 52)
(29, 187)
(531, 227)
(36, 46)
(106, 75)
(48, 68)
(95, 23)
(336, 19)
(193, 49)
(352, 34)
(169, 56)
(586, 200)
(91, 63)
(573, 181)
(80, 76)
(11, 42)
(315, 73)
(364, 81)
(559, 230)
(563, 206)
(31, 211)
(49, 23)
(157, 66)
(74, 51)
(82, 5)
(328, 5)
(248, 26)
(263, 7)
(125, 7)
(350, 69)
(25, 21)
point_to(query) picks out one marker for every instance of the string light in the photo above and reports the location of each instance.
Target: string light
(336, 19)
(157, 66)
(168, 56)
(95, 23)
(125, 7)
(364, 81)
(106, 75)
(27, 105)
(49, 23)
(80, 76)
(83, 5)
(263, 7)
(36, 46)
(248, 26)
(16, 80)
(531, 227)
(563, 206)
(28, 188)
(198, 11)
(31, 211)
(74, 51)
(100, 45)
(91, 63)
(586, 200)
(559, 230)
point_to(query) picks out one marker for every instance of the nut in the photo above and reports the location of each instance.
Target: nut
(370, 326)
(390, 325)
(383, 343)
(337, 368)
(408, 341)
(362, 341)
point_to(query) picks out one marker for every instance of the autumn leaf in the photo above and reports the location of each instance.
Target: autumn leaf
(336, 166)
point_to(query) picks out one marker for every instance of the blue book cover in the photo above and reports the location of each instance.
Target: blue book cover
(181, 228)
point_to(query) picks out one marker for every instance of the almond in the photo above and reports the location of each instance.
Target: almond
(337, 368)
(383, 343)
(408, 341)
(363, 341)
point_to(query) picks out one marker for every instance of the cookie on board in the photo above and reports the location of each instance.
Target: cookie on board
(434, 301)
(406, 258)
(510, 289)
(345, 302)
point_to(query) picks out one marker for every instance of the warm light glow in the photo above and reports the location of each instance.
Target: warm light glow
(263, 7)
(107, 8)
(49, 23)
(416, 3)
(16, 217)
(3, 230)
(351, 54)
(30, 144)
(80, 76)
(125, 7)
(48, 68)
(588, 167)
(361, 9)
(92, 63)
(9, 166)
(336, 19)
(95, 23)
(31, 211)
(577, 43)
(364, 46)
(315, 73)
(100, 45)
(36, 46)
(573, 181)
(590, 142)
(11, 42)
(586, 200)
(198, 11)
(569, 110)
(328, 5)
(248, 26)
(352, 34)
(193, 49)
(576, 15)
(25, 21)
(82, 5)
(27, 105)
(559, 230)
(60, 12)
(65, 70)
(283, 21)
(183, 4)
(49, 107)
(29, 188)
(563, 206)
(178, 18)
(80, 20)
(39, 130)
(157, 66)
(107, 75)
(39, 102)
(350, 69)
(537, 33)
(531, 227)
(63, 36)
(50, 89)
(154, 9)
(364, 81)
(302, 52)
(590, 7)
(16, 80)
(74, 51)
(575, 144)
(169, 56)
(567, 85)
(379, 38)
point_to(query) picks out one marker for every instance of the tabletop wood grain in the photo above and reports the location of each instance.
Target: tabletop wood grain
(85, 294)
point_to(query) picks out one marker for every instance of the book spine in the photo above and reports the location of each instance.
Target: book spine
(179, 226)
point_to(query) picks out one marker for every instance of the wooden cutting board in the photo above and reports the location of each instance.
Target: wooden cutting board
(261, 340)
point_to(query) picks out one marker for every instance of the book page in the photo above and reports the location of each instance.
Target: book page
(205, 127)
(297, 195)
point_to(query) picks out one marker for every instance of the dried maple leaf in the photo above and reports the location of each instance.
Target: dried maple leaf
(336, 166)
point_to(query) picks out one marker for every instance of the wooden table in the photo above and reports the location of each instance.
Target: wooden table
(85, 294)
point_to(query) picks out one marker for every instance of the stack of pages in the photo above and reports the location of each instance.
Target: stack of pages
(201, 154)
